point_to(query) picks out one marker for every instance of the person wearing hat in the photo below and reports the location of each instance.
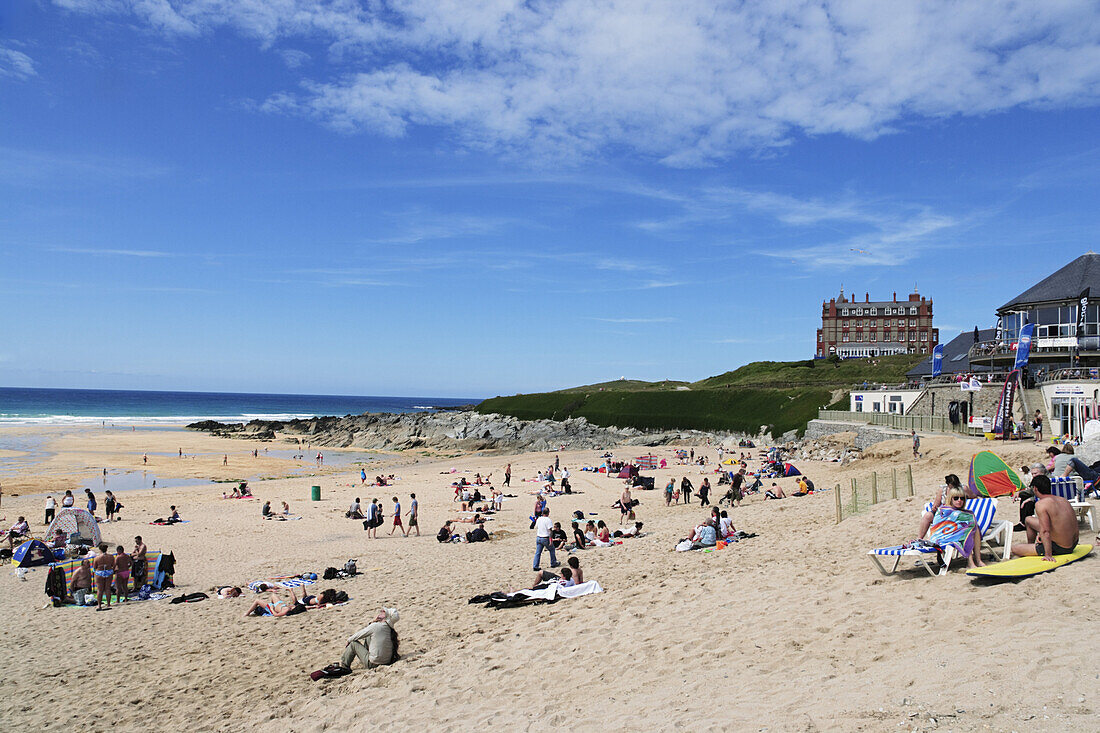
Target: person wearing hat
(376, 644)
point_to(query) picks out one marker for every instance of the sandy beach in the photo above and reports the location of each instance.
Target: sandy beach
(793, 629)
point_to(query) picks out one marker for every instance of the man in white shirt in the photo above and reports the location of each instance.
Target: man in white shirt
(51, 506)
(543, 527)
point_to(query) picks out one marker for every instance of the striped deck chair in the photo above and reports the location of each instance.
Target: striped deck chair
(1072, 489)
(983, 510)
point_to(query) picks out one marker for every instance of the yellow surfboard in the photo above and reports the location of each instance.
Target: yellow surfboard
(1024, 567)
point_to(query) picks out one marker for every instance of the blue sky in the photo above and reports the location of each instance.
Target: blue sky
(477, 198)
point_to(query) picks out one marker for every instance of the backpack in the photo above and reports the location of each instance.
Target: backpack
(329, 574)
(341, 597)
(349, 568)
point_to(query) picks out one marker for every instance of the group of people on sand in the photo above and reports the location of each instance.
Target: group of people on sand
(374, 516)
(277, 607)
(110, 575)
(1049, 522)
(716, 526)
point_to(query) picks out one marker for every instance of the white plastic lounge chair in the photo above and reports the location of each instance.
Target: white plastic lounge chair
(983, 510)
(1071, 488)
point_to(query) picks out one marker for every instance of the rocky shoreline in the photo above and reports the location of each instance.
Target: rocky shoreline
(452, 430)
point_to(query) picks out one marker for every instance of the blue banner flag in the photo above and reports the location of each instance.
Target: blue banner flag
(937, 360)
(1023, 347)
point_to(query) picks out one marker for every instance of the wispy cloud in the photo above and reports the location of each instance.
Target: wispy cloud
(632, 320)
(16, 64)
(688, 83)
(107, 252)
(55, 169)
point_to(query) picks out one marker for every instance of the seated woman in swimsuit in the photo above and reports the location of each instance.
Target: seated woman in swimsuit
(603, 534)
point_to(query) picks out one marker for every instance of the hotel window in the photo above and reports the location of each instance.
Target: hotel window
(912, 310)
(859, 311)
(924, 337)
(844, 312)
(912, 322)
(873, 337)
(845, 338)
(874, 311)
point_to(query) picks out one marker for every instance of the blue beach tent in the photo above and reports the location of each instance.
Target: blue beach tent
(32, 553)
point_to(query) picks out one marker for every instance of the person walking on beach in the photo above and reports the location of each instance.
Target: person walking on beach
(685, 489)
(1037, 426)
(397, 518)
(91, 501)
(51, 505)
(110, 506)
(362, 475)
(507, 476)
(225, 459)
(543, 528)
(67, 500)
(144, 458)
(704, 492)
(557, 462)
(414, 516)
(916, 443)
(103, 567)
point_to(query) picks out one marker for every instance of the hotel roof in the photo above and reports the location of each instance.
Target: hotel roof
(1066, 284)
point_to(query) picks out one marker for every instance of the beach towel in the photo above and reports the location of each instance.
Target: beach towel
(283, 583)
(954, 528)
(547, 593)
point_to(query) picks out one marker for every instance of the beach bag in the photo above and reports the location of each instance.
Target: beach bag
(329, 574)
(333, 670)
(349, 568)
(340, 597)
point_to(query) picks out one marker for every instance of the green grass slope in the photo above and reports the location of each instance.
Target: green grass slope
(781, 395)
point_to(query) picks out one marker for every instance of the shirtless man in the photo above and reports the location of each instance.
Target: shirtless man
(626, 507)
(140, 565)
(81, 584)
(123, 563)
(103, 567)
(1054, 525)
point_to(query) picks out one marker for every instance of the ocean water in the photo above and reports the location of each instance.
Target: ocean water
(20, 405)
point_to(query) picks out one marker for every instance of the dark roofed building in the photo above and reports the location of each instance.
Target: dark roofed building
(1053, 306)
(956, 356)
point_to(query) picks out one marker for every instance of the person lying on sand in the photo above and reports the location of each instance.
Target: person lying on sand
(376, 644)
(228, 591)
(277, 607)
(635, 531)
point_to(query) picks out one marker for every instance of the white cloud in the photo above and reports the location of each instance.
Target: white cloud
(689, 82)
(294, 58)
(16, 64)
(111, 252)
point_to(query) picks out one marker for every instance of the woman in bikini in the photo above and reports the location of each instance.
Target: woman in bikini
(103, 567)
(123, 563)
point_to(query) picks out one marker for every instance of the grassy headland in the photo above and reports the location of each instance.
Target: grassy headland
(783, 395)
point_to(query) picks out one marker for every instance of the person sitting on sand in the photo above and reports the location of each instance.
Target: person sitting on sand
(355, 512)
(286, 509)
(579, 540)
(374, 645)
(18, 531)
(265, 510)
(1053, 530)
(59, 539)
(725, 526)
(81, 584)
(445, 533)
(558, 538)
(479, 534)
(775, 492)
(590, 531)
(174, 517)
(245, 491)
(951, 481)
(704, 535)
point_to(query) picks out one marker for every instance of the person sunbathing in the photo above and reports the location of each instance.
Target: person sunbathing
(274, 606)
(951, 482)
(18, 531)
(228, 591)
(635, 531)
(603, 534)
(775, 492)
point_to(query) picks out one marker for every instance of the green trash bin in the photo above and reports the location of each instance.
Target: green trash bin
(315, 493)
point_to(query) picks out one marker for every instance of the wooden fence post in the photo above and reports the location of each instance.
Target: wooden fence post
(874, 488)
(909, 470)
(855, 498)
(838, 511)
(894, 481)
